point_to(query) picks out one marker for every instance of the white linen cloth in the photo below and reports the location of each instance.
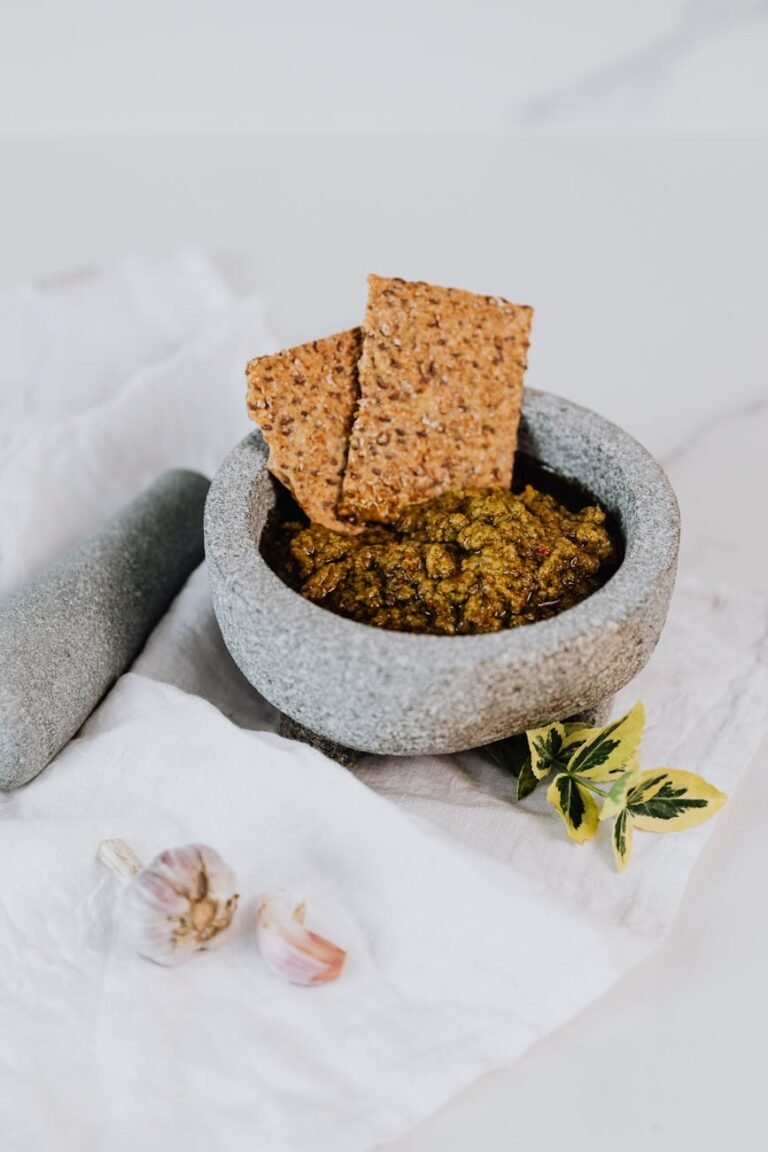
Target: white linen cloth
(153, 356)
(459, 958)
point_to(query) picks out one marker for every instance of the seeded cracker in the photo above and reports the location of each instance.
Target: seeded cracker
(303, 400)
(441, 382)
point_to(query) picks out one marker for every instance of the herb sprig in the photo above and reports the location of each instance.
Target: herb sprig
(596, 776)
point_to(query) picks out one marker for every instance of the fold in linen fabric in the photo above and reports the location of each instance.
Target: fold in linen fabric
(170, 394)
(473, 926)
(458, 961)
(455, 963)
(71, 343)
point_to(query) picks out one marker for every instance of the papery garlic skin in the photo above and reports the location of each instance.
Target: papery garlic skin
(119, 857)
(181, 903)
(291, 950)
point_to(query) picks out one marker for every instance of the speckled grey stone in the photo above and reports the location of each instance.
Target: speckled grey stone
(349, 757)
(400, 693)
(68, 634)
(295, 731)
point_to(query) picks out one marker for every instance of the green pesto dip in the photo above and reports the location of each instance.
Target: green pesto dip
(474, 560)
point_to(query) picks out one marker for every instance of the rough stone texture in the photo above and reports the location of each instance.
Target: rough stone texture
(402, 693)
(72, 630)
(441, 381)
(293, 731)
(349, 757)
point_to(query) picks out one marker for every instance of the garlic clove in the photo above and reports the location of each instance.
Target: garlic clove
(182, 902)
(119, 857)
(290, 949)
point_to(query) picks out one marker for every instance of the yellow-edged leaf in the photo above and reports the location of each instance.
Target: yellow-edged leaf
(622, 839)
(669, 800)
(546, 747)
(607, 751)
(575, 805)
(573, 727)
(616, 800)
(526, 781)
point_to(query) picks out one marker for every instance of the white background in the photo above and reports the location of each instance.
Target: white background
(604, 161)
(406, 66)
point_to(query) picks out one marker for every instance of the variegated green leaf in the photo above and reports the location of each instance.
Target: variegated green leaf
(575, 735)
(574, 726)
(526, 781)
(546, 748)
(607, 751)
(575, 805)
(616, 800)
(552, 747)
(508, 754)
(669, 800)
(622, 839)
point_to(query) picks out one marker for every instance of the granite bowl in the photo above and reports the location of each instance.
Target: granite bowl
(399, 693)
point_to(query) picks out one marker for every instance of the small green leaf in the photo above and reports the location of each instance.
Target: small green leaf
(526, 781)
(669, 800)
(550, 748)
(608, 750)
(622, 839)
(574, 726)
(616, 800)
(575, 805)
(509, 754)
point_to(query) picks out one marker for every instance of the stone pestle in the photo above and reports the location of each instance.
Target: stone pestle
(67, 635)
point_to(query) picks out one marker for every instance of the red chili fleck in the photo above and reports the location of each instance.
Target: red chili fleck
(542, 550)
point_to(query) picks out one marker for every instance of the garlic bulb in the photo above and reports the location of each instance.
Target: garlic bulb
(290, 949)
(183, 902)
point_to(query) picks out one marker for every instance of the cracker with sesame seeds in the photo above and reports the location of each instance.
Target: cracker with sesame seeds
(304, 399)
(441, 383)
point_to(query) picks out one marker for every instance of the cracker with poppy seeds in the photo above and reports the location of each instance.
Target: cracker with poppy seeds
(303, 399)
(441, 383)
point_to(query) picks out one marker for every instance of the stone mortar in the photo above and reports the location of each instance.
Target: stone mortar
(400, 693)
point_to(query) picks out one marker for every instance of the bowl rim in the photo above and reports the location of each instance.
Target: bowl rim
(648, 554)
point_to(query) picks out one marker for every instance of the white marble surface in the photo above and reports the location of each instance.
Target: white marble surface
(410, 66)
(608, 163)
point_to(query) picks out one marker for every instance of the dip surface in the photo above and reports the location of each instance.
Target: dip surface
(470, 561)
